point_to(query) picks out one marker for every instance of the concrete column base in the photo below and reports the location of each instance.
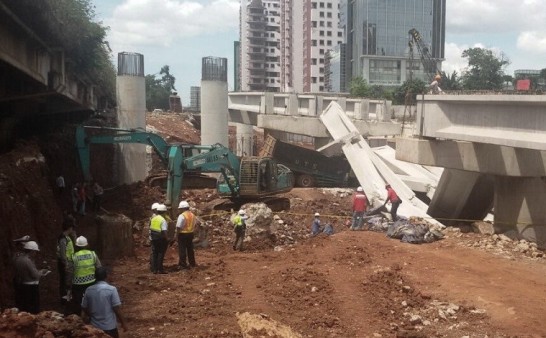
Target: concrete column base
(245, 139)
(114, 236)
(462, 195)
(520, 208)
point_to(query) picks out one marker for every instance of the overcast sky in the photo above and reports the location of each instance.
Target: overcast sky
(179, 33)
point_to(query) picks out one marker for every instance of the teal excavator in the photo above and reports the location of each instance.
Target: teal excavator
(242, 179)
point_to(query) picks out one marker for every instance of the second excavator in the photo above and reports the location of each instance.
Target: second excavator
(245, 179)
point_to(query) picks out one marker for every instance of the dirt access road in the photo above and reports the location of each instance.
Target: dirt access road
(351, 284)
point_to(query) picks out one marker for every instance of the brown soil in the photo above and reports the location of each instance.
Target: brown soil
(351, 284)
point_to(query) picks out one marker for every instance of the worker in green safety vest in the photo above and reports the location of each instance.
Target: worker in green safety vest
(65, 251)
(158, 239)
(84, 263)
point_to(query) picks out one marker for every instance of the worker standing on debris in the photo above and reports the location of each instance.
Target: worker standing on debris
(27, 279)
(159, 241)
(315, 226)
(185, 225)
(239, 227)
(98, 191)
(101, 303)
(85, 262)
(394, 199)
(360, 203)
(435, 85)
(65, 251)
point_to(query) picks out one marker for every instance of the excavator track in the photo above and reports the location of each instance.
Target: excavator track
(191, 181)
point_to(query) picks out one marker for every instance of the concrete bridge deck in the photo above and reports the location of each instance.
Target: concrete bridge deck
(494, 150)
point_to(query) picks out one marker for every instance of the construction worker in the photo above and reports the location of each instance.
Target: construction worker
(360, 203)
(394, 199)
(435, 85)
(65, 251)
(84, 262)
(154, 213)
(101, 303)
(185, 225)
(158, 236)
(27, 279)
(239, 227)
(315, 226)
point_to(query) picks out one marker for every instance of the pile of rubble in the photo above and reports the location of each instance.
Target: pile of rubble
(502, 245)
(46, 324)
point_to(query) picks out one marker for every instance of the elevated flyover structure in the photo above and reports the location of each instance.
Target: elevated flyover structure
(494, 150)
(279, 113)
(35, 80)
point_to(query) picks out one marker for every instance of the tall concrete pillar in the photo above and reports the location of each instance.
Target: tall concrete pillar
(245, 139)
(462, 195)
(214, 101)
(520, 207)
(131, 99)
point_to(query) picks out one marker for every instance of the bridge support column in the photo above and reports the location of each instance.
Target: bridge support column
(520, 207)
(462, 195)
(245, 139)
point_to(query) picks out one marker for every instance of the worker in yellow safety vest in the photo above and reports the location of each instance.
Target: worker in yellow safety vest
(84, 264)
(239, 227)
(158, 238)
(185, 226)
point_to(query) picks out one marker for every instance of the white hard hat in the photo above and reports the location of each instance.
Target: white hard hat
(317, 214)
(161, 207)
(183, 205)
(359, 189)
(31, 245)
(81, 241)
(242, 212)
(155, 205)
(25, 238)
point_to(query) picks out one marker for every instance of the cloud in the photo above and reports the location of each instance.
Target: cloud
(532, 41)
(495, 16)
(164, 23)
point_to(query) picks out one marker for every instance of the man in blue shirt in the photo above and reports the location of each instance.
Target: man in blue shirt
(101, 304)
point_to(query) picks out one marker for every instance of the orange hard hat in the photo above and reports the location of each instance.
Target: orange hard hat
(438, 77)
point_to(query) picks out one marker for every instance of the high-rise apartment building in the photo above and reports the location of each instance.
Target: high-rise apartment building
(284, 42)
(377, 38)
(195, 98)
(260, 45)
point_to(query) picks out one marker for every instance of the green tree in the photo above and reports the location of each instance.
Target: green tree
(407, 92)
(158, 89)
(358, 87)
(451, 82)
(485, 69)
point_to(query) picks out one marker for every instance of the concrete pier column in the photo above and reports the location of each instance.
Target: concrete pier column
(131, 98)
(214, 101)
(462, 195)
(520, 207)
(245, 139)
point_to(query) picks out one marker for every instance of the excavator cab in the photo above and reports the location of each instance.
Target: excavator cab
(259, 176)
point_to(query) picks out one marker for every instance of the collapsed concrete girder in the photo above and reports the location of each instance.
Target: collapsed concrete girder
(371, 171)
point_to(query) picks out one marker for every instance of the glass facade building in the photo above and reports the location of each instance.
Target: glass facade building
(377, 38)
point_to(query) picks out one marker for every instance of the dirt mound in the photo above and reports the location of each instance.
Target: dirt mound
(46, 324)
